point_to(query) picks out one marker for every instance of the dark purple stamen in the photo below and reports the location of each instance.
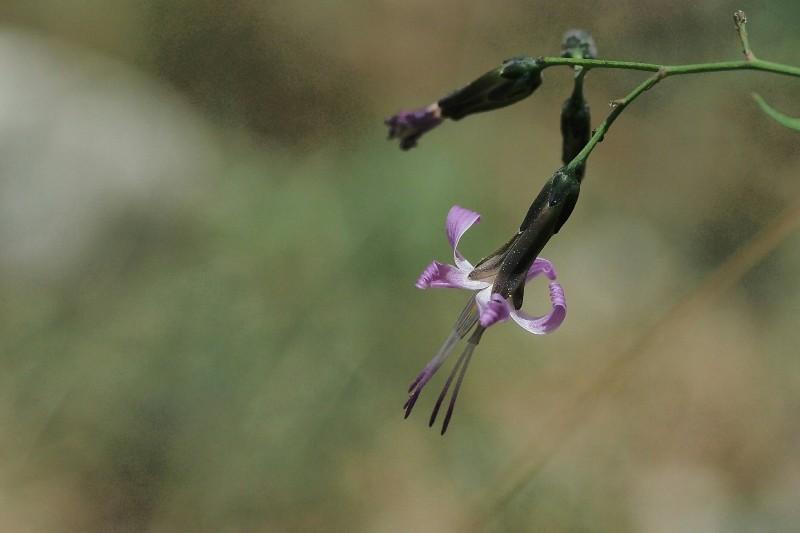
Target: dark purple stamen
(465, 322)
(468, 352)
(430, 369)
(447, 386)
(461, 368)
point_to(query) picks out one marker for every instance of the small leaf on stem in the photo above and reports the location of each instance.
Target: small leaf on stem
(784, 120)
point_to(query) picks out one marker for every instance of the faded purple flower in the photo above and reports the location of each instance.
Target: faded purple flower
(483, 310)
(409, 126)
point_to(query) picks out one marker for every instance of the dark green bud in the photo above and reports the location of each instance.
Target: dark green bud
(555, 201)
(549, 211)
(514, 80)
(576, 121)
(578, 44)
(576, 128)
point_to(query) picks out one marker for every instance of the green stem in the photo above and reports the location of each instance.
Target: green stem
(617, 107)
(577, 90)
(661, 72)
(674, 70)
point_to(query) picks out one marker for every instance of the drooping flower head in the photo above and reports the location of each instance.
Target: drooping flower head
(484, 309)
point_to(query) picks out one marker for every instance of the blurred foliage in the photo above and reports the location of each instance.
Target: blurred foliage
(207, 257)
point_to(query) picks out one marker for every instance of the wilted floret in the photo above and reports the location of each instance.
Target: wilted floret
(409, 126)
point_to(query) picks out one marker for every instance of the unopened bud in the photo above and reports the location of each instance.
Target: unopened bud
(514, 80)
(576, 129)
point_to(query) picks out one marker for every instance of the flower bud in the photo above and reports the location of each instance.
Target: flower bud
(576, 121)
(514, 80)
(576, 129)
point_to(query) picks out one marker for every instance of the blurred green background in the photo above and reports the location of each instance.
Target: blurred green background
(208, 251)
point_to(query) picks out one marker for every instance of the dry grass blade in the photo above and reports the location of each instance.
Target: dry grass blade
(619, 364)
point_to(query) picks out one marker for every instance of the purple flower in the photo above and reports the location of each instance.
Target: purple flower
(484, 309)
(408, 126)
(492, 308)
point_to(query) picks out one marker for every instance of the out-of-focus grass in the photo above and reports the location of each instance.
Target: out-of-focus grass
(207, 312)
(620, 365)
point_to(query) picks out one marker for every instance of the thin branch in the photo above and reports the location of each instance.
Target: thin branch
(740, 20)
(673, 70)
(617, 107)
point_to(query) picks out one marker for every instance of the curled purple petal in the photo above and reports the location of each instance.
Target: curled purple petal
(409, 126)
(492, 307)
(541, 266)
(442, 275)
(548, 323)
(459, 220)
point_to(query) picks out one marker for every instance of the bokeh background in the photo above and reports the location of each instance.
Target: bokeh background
(208, 252)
